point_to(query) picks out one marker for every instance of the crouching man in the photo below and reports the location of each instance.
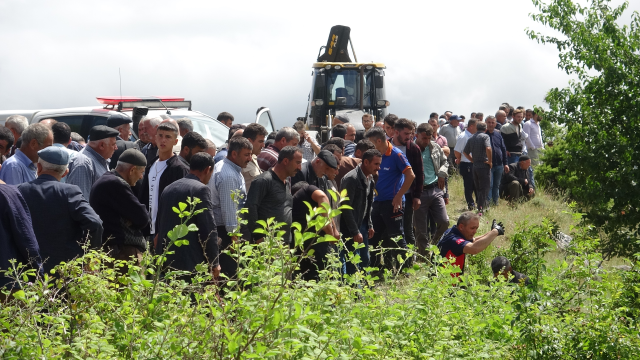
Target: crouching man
(458, 241)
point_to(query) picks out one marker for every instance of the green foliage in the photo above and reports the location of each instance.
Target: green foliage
(553, 170)
(600, 112)
(573, 310)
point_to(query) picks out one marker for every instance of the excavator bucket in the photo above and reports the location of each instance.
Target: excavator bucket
(336, 49)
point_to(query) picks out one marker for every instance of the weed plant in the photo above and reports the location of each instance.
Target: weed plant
(90, 309)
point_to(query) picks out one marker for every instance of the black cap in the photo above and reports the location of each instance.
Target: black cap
(117, 119)
(342, 118)
(133, 157)
(524, 158)
(328, 158)
(102, 132)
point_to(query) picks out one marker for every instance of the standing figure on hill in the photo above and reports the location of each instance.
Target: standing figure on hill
(356, 222)
(451, 131)
(270, 193)
(403, 140)
(203, 244)
(478, 150)
(466, 166)
(122, 214)
(432, 203)
(394, 180)
(62, 218)
(162, 171)
(514, 137)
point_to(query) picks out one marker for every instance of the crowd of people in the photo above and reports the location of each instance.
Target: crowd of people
(59, 193)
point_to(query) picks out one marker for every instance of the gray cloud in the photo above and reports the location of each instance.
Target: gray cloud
(237, 56)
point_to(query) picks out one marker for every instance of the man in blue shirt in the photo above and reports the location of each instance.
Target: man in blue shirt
(21, 168)
(227, 178)
(394, 180)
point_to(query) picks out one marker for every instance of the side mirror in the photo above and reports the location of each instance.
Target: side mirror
(379, 80)
(321, 80)
(341, 101)
(382, 103)
(136, 115)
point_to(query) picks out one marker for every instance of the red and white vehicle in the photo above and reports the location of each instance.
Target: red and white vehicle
(82, 119)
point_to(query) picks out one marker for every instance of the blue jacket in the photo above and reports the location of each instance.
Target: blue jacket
(17, 240)
(499, 156)
(61, 219)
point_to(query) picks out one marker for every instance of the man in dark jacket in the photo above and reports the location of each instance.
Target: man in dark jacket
(270, 193)
(161, 172)
(402, 140)
(61, 216)
(356, 223)
(203, 244)
(17, 240)
(515, 183)
(313, 173)
(122, 123)
(122, 214)
(499, 158)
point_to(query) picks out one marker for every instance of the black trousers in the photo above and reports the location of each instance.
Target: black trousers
(228, 264)
(466, 170)
(387, 224)
(409, 235)
(311, 266)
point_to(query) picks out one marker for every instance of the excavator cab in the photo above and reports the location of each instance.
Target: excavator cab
(342, 87)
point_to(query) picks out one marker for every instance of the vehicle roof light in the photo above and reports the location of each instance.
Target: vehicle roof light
(369, 67)
(114, 100)
(328, 67)
(337, 67)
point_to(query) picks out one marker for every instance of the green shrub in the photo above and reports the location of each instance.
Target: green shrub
(92, 311)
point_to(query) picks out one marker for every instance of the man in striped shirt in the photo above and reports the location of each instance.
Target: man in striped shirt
(268, 158)
(227, 178)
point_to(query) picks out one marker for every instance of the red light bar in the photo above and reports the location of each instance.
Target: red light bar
(114, 100)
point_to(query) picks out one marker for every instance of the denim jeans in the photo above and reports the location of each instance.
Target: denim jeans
(496, 179)
(513, 158)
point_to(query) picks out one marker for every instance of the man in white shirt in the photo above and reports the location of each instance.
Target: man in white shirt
(466, 166)
(165, 169)
(534, 139)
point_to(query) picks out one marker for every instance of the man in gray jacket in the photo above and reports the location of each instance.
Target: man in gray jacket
(360, 189)
(432, 204)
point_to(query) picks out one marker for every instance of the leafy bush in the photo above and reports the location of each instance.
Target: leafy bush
(93, 311)
(599, 109)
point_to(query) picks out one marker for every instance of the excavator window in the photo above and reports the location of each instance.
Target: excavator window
(346, 84)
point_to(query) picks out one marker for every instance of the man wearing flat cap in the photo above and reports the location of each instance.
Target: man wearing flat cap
(515, 185)
(313, 173)
(61, 216)
(93, 161)
(122, 123)
(122, 214)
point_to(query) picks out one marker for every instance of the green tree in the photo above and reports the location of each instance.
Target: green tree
(600, 110)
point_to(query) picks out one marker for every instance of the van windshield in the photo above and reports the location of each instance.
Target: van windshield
(208, 128)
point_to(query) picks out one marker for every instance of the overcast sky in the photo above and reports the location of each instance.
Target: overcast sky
(236, 56)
